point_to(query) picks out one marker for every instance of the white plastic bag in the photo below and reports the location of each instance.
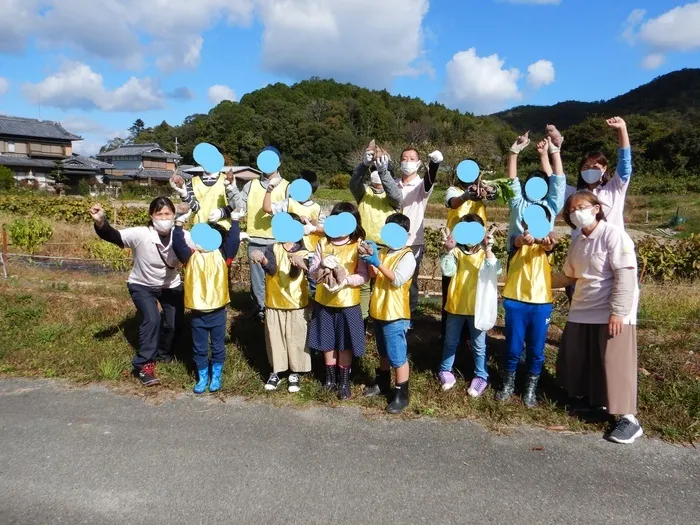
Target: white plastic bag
(486, 306)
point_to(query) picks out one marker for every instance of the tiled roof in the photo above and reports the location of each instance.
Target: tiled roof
(29, 127)
(130, 150)
(88, 163)
(153, 174)
(24, 161)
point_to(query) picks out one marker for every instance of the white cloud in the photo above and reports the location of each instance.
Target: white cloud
(541, 73)
(479, 84)
(653, 61)
(94, 133)
(4, 86)
(76, 85)
(536, 2)
(125, 32)
(218, 93)
(675, 30)
(361, 41)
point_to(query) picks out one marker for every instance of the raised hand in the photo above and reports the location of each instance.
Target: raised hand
(97, 212)
(520, 144)
(382, 163)
(543, 147)
(448, 241)
(369, 157)
(182, 216)
(215, 216)
(230, 178)
(554, 135)
(616, 123)
(436, 157)
(177, 183)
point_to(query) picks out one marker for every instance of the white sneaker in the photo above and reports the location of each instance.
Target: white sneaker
(272, 382)
(294, 382)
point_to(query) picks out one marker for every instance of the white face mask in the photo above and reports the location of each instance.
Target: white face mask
(583, 218)
(163, 226)
(592, 176)
(410, 167)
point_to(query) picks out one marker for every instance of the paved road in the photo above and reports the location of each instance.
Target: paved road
(86, 455)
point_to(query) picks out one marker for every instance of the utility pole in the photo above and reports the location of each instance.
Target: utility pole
(176, 145)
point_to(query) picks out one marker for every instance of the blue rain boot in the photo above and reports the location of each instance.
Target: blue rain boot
(203, 381)
(215, 384)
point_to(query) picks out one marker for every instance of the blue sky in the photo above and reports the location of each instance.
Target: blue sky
(97, 66)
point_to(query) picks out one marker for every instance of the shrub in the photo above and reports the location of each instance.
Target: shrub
(30, 234)
(110, 255)
(136, 191)
(339, 182)
(83, 188)
(7, 180)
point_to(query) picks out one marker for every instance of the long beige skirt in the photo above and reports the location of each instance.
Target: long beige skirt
(599, 367)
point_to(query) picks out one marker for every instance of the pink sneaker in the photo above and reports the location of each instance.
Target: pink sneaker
(477, 387)
(447, 380)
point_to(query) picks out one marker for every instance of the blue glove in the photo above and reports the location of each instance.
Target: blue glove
(374, 258)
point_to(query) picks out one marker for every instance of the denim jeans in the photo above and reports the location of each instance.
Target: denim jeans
(526, 324)
(418, 254)
(453, 329)
(391, 341)
(157, 331)
(206, 326)
(257, 274)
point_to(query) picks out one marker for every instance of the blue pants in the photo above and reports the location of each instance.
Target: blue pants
(391, 341)
(206, 325)
(257, 274)
(453, 330)
(157, 331)
(526, 324)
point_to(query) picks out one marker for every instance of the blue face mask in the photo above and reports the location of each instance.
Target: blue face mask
(592, 176)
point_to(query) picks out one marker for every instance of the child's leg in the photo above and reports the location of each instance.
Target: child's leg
(275, 341)
(365, 294)
(397, 348)
(294, 334)
(200, 341)
(478, 342)
(536, 337)
(517, 318)
(381, 340)
(453, 328)
(217, 332)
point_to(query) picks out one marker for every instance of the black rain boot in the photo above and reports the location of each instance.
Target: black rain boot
(401, 399)
(529, 397)
(344, 391)
(382, 384)
(508, 387)
(330, 383)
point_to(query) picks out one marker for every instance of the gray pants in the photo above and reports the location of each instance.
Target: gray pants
(418, 254)
(257, 274)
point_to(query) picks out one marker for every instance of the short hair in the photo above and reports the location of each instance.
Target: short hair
(349, 207)
(310, 177)
(410, 148)
(595, 157)
(400, 219)
(158, 204)
(587, 196)
(472, 217)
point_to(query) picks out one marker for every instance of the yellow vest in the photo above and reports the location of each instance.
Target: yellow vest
(281, 291)
(210, 198)
(259, 222)
(206, 281)
(389, 303)
(349, 258)
(310, 212)
(461, 295)
(374, 210)
(453, 216)
(529, 276)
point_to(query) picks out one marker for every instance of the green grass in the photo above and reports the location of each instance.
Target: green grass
(87, 334)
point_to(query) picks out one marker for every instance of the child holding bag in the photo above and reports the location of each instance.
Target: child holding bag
(336, 327)
(286, 299)
(472, 268)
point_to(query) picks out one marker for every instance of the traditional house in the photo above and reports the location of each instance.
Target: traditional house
(77, 167)
(33, 149)
(142, 163)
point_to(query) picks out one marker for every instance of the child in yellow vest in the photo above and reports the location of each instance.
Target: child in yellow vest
(206, 196)
(336, 327)
(206, 294)
(528, 305)
(375, 202)
(390, 309)
(286, 319)
(464, 265)
(310, 213)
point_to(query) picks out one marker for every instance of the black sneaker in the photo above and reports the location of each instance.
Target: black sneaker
(272, 382)
(147, 375)
(294, 383)
(626, 431)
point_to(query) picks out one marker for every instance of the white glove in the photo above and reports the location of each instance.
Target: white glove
(309, 229)
(215, 216)
(382, 163)
(342, 284)
(551, 148)
(236, 215)
(273, 183)
(489, 241)
(243, 237)
(436, 157)
(369, 157)
(183, 218)
(330, 262)
(520, 144)
(182, 192)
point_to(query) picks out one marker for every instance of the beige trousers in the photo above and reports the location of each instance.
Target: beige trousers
(603, 369)
(285, 336)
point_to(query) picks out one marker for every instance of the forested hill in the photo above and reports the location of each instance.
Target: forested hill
(676, 93)
(325, 125)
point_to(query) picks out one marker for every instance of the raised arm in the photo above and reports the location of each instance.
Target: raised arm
(103, 229)
(238, 199)
(232, 239)
(542, 149)
(182, 251)
(436, 159)
(393, 193)
(624, 165)
(357, 184)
